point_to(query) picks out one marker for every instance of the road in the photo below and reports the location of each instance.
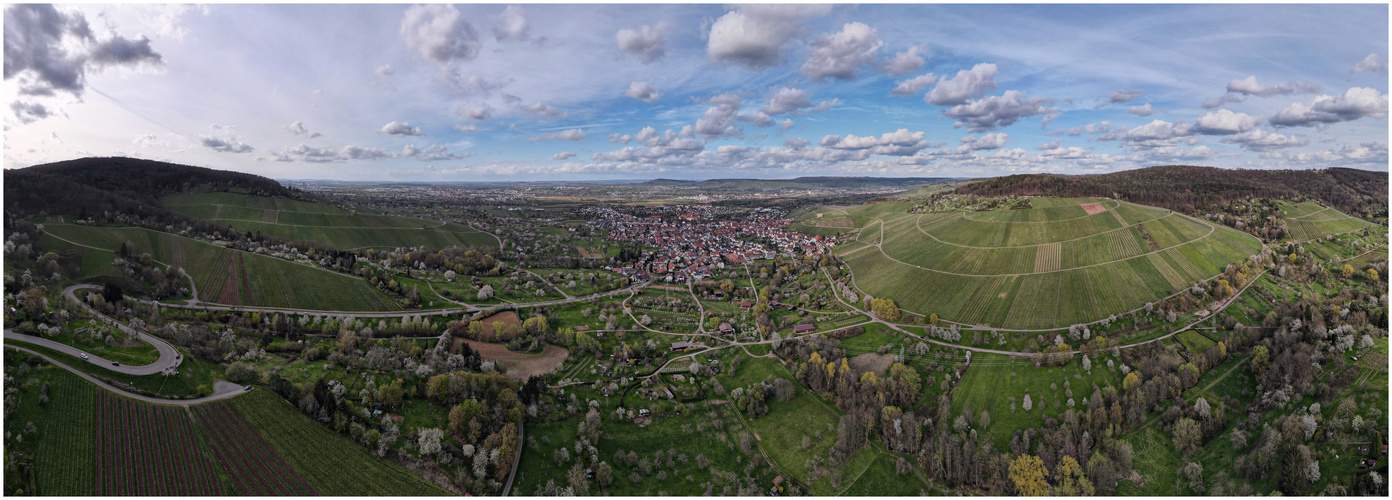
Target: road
(221, 390)
(168, 356)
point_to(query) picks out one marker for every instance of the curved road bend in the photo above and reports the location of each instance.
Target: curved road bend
(221, 390)
(168, 356)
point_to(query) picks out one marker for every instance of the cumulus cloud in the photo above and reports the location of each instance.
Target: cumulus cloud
(476, 111)
(647, 43)
(1250, 86)
(574, 134)
(1355, 103)
(756, 36)
(618, 138)
(474, 84)
(541, 109)
(1124, 95)
(1158, 132)
(399, 129)
(311, 154)
(470, 128)
(997, 111)
(914, 85)
(1239, 90)
(988, 141)
(224, 145)
(511, 25)
(1372, 153)
(1141, 110)
(786, 124)
(839, 56)
(1261, 140)
(897, 143)
(1224, 122)
(1374, 63)
(906, 62)
(966, 85)
(48, 51)
(643, 92)
(439, 33)
(298, 128)
(718, 121)
(788, 100)
(29, 112)
(565, 155)
(384, 71)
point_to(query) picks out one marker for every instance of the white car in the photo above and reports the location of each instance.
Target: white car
(84, 356)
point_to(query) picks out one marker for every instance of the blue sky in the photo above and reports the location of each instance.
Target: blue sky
(582, 92)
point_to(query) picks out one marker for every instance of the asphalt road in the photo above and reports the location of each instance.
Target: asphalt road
(221, 390)
(168, 356)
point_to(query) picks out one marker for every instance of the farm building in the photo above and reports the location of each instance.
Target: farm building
(803, 328)
(682, 346)
(726, 328)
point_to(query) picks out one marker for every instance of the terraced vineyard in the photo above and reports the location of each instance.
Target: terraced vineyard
(1308, 221)
(148, 450)
(323, 223)
(1062, 262)
(223, 275)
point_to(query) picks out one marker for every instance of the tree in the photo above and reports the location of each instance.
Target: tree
(1071, 479)
(576, 479)
(1187, 436)
(429, 441)
(1130, 382)
(486, 292)
(1028, 404)
(390, 394)
(1027, 472)
(1261, 358)
(604, 475)
(933, 319)
(34, 302)
(1201, 406)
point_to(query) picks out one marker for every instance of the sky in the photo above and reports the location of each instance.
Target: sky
(498, 92)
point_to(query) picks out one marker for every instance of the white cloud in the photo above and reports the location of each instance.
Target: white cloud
(914, 85)
(1261, 140)
(906, 62)
(511, 25)
(966, 85)
(298, 128)
(997, 111)
(224, 145)
(384, 71)
(439, 33)
(400, 129)
(1249, 86)
(1371, 154)
(643, 92)
(788, 100)
(1124, 95)
(1374, 63)
(470, 128)
(786, 124)
(574, 134)
(646, 42)
(756, 36)
(1357, 102)
(1141, 110)
(1091, 128)
(542, 110)
(718, 121)
(477, 111)
(565, 155)
(839, 56)
(618, 138)
(988, 141)
(1224, 122)
(897, 143)
(1156, 133)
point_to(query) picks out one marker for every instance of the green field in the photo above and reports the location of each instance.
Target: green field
(1308, 221)
(328, 224)
(995, 382)
(331, 463)
(271, 282)
(1037, 269)
(65, 454)
(782, 430)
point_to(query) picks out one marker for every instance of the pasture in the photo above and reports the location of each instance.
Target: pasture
(1040, 268)
(999, 384)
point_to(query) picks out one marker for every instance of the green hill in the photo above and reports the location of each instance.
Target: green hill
(323, 223)
(222, 275)
(1308, 221)
(1047, 267)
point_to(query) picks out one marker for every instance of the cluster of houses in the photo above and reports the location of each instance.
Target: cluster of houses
(692, 241)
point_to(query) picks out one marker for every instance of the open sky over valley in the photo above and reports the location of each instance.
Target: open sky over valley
(588, 92)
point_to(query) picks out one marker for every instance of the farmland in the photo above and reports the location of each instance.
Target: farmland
(299, 220)
(1041, 268)
(1309, 221)
(148, 450)
(231, 276)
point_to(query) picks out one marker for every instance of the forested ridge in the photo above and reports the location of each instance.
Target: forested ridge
(1191, 189)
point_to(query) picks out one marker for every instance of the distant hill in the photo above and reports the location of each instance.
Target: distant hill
(128, 185)
(1191, 189)
(800, 183)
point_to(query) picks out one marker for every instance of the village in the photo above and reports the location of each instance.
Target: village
(689, 242)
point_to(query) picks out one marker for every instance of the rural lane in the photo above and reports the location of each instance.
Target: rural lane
(168, 356)
(221, 390)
